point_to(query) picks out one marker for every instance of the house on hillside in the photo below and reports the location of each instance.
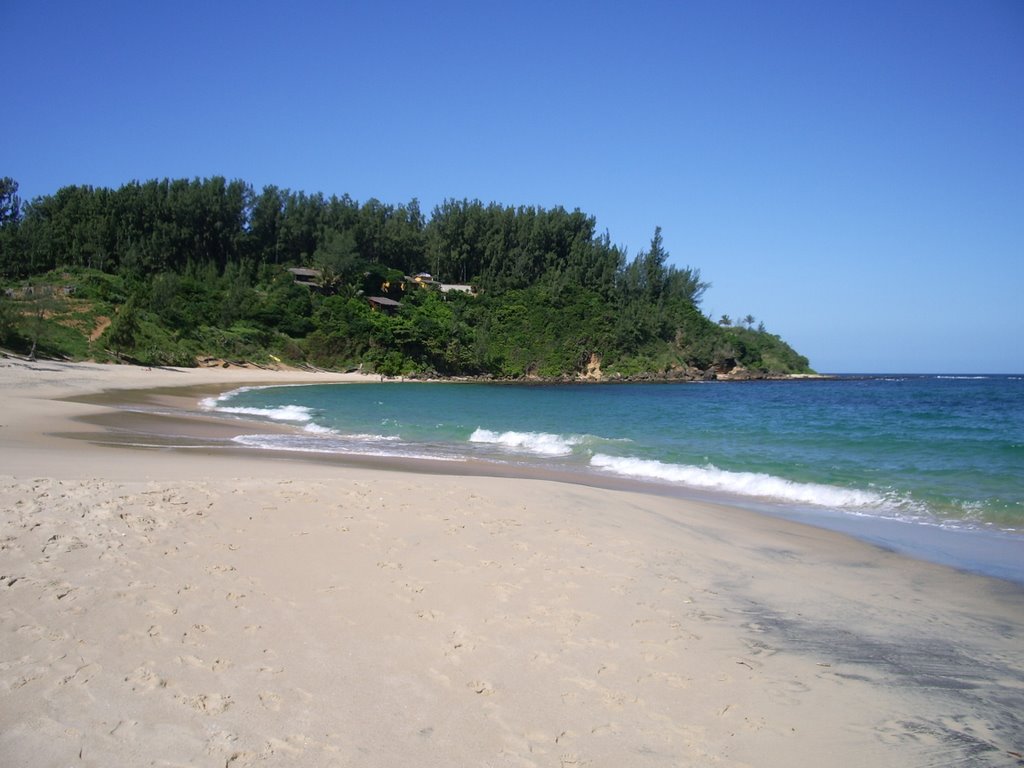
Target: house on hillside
(426, 280)
(307, 276)
(383, 304)
(422, 278)
(455, 288)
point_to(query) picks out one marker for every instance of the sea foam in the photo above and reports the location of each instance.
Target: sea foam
(541, 443)
(295, 413)
(752, 484)
(357, 445)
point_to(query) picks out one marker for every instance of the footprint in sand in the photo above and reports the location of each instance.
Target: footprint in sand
(143, 523)
(408, 593)
(504, 590)
(786, 691)
(542, 657)
(270, 700)
(673, 681)
(440, 677)
(82, 675)
(242, 759)
(61, 544)
(457, 644)
(195, 634)
(29, 676)
(757, 648)
(60, 589)
(481, 687)
(145, 679)
(208, 703)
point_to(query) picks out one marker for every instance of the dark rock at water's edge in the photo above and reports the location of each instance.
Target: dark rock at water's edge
(681, 375)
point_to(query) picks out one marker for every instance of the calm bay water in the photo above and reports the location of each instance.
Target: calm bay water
(939, 451)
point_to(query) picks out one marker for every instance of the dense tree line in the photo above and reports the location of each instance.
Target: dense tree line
(186, 268)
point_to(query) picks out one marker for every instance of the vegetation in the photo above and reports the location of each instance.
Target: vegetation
(170, 272)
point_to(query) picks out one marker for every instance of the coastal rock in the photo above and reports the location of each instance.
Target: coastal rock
(739, 373)
(593, 370)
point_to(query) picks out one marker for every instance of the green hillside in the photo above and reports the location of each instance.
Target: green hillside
(175, 272)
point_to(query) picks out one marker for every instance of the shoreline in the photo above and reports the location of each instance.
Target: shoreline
(168, 417)
(232, 608)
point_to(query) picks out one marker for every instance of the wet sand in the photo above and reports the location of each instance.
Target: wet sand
(207, 606)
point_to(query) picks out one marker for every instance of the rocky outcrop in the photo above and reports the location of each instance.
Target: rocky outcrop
(739, 373)
(593, 370)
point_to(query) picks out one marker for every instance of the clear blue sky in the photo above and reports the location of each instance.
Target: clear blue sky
(849, 173)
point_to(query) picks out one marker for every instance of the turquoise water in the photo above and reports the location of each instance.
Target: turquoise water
(939, 451)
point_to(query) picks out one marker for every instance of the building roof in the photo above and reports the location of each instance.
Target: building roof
(305, 272)
(446, 287)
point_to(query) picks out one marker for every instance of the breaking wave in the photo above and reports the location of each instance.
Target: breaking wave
(540, 443)
(753, 484)
(298, 414)
(359, 445)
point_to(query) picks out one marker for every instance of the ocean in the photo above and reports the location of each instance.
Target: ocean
(929, 465)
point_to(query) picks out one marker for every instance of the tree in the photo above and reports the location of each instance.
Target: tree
(11, 253)
(10, 203)
(8, 320)
(725, 320)
(654, 267)
(749, 321)
(337, 257)
(42, 305)
(685, 284)
(124, 328)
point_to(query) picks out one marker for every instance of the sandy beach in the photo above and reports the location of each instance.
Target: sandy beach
(198, 607)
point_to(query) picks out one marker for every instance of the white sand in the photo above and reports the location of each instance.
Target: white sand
(170, 608)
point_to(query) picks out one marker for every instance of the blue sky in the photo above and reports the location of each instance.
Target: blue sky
(851, 174)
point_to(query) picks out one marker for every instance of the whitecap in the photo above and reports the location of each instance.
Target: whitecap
(753, 484)
(541, 443)
(297, 413)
